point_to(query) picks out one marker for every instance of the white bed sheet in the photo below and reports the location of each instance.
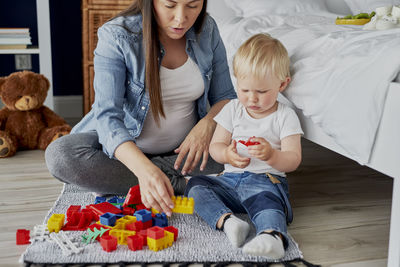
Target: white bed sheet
(341, 74)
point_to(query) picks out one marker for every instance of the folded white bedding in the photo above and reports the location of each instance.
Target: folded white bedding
(341, 74)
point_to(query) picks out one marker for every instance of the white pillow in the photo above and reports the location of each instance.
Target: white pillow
(249, 8)
(367, 6)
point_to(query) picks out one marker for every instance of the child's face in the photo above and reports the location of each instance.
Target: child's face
(259, 95)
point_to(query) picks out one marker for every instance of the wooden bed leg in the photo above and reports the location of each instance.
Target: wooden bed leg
(394, 239)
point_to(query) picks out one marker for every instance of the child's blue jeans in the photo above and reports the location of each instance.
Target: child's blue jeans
(245, 192)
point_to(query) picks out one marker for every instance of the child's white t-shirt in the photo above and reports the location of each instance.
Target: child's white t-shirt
(273, 128)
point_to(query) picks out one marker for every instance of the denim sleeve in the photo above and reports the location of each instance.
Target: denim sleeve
(221, 87)
(109, 85)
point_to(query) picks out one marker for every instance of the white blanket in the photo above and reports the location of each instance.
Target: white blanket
(340, 73)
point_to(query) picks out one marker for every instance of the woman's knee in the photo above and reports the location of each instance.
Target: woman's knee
(57, 155)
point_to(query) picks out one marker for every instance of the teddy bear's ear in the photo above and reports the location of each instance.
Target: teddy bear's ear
(2, 81)
(45, 80)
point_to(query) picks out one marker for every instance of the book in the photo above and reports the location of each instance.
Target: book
(14, 30)
(12, 41)
(13, 46)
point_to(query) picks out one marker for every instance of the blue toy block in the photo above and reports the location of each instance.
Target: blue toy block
(160, 220)
(99, 200)
(121, 200)
(108, 219)
(143, 215)
(113, 200)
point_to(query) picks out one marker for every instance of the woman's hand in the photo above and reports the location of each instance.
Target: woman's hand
(195, 146)
(232, 157)
(155, 188)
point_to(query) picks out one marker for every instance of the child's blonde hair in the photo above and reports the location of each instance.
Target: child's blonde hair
(259, 55)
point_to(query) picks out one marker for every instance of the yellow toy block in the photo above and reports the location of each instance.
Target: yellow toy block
(56, 222)
(161, 243)
(121, 235)
(169, 238)
(122, 222)
(183, 205)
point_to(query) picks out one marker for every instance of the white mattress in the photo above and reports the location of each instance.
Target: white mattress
(340, 73)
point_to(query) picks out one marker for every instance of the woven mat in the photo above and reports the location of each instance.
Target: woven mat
(197, 242)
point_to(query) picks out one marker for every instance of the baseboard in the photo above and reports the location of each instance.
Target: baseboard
(70, 106)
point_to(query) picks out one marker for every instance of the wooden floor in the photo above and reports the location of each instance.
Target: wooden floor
(341, 210)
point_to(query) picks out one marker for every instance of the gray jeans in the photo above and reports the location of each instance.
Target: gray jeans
(79, 159)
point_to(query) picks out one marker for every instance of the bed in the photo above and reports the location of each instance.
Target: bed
(346, 80)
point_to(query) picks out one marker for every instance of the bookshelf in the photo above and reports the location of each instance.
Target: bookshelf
(44, 49)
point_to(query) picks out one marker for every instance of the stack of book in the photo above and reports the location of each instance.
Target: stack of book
(14, 38)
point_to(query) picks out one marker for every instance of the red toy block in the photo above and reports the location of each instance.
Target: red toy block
(128, 211)
(72, 209)
(109, 243)
(248, 142)
(155, 232)
(135, 226)
(147, 224)
(172, 230)
(135, 242)
(133, 196)
(143, 233)
(79, 221)
(22, 237)
(104, 207)
(141, 207)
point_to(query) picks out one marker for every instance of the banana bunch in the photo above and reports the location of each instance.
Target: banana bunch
(358, 19)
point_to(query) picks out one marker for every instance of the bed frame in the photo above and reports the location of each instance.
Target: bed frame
(385, 157)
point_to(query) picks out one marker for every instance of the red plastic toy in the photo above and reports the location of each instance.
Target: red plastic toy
(135, 242)
(172, 230)
(109, 243)
(22, 237)
(248, 142)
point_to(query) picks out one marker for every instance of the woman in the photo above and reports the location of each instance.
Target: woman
(157, 64)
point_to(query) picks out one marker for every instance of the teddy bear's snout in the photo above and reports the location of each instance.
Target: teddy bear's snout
(26, 103)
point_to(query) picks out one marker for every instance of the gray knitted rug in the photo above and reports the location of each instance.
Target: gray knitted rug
(196, 243)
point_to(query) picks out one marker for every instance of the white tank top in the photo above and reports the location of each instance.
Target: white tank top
(180, 88)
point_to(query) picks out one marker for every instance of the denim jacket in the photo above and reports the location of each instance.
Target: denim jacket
(121, 102)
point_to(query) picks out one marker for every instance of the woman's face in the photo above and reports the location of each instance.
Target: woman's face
(176, 17)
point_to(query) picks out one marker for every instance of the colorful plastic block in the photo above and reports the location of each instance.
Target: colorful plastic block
(55, 222)
(108, 243)
(22, 237)
(108, 218)
(173, 230)
(98, 200)
(72, 209)
(161, 243)
(160, 219)
(135, 242)
(128, 211)
(134, 226)
(79, 220)
(104, 207)
(143, 215)
(155, 232)
(121, 235)
(133, 196)
(183, 204)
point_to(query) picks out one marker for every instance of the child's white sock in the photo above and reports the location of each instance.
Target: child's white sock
(265, 244)
(236, 230)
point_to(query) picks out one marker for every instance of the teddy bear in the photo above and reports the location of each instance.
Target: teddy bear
(24, 122)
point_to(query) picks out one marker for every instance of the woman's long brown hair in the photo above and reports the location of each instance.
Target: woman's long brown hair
(151, 43)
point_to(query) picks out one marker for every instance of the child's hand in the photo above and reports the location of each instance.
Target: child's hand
(233, 158)
(262, 151)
